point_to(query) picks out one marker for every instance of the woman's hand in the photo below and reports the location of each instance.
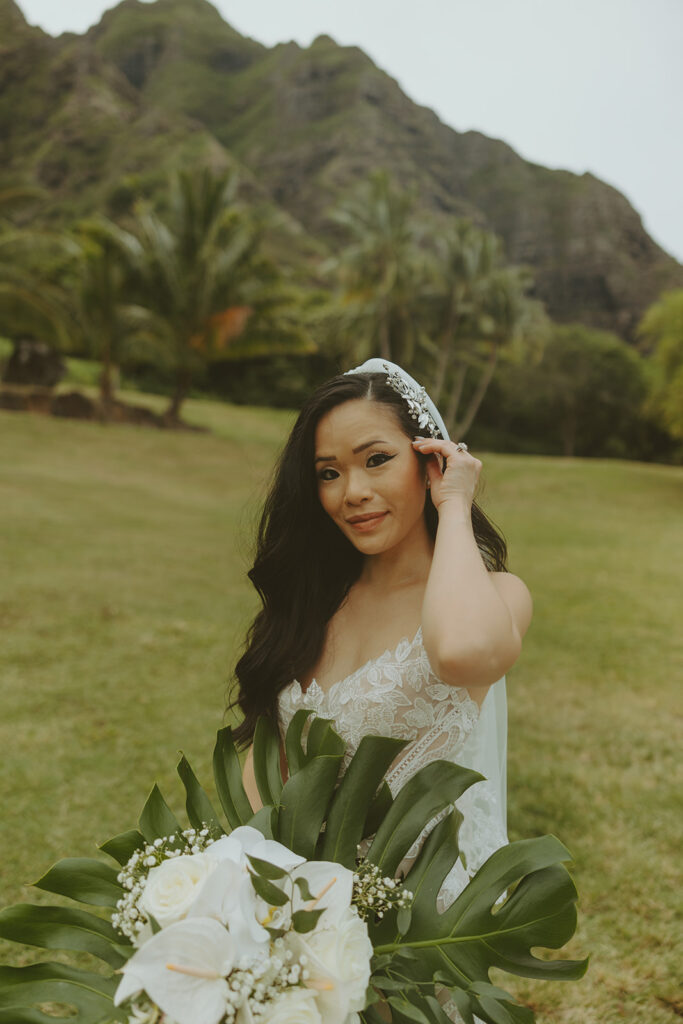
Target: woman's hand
(458, 481)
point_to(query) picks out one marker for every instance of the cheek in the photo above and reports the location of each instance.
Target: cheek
(412, 489)
(327, 499)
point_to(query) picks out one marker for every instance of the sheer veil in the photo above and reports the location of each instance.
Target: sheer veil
(486, 749)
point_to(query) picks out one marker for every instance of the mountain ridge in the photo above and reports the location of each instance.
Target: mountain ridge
(309, 122)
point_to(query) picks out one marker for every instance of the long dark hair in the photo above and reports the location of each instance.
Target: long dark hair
(304, 565)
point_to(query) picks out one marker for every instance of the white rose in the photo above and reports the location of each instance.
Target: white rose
(173, 886)
(340, 956)
(296, 1006)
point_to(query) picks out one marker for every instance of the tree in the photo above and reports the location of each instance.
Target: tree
(31, 300)
(478, 312)
(379, 270)
(203, 281)
(464, 257)
(434, 288)
(590, 384)
(104, 322)
(661, 333)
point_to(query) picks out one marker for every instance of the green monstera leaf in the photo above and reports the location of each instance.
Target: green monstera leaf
(89, 994)
(521, 899)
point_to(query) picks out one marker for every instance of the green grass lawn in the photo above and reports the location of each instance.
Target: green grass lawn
(123, 601)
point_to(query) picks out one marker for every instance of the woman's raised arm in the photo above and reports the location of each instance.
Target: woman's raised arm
(472, 621)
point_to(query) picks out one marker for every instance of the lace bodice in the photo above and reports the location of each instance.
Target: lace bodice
(398, 694)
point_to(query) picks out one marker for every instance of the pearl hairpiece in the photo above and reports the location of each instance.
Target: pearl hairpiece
(416, 397)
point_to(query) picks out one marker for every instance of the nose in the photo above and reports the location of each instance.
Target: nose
(358, 487)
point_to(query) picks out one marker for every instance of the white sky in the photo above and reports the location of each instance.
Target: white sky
(587, 85)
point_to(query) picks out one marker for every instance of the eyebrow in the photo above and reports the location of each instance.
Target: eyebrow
(360, 448)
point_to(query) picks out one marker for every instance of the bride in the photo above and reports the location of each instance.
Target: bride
(386, 604)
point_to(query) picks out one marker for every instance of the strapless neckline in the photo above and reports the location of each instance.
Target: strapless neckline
(390, 652)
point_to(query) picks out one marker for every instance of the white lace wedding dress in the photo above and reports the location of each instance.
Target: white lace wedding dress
(398, 694)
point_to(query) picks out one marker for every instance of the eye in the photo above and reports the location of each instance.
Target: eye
(323, 472)
(382, 456)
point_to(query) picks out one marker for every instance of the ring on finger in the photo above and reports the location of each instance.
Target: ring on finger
(461, 447)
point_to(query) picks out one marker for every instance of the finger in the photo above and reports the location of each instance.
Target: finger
(434, 469)
(447, 449)
(429, 444)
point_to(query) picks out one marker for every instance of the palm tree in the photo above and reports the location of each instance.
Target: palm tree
(30, 299)
(477, 311)
(105, 322)
(505, 323)
(465, 257)
(379, 270)
(203, 281)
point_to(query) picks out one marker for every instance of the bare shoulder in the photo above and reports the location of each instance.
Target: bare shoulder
(515, 593)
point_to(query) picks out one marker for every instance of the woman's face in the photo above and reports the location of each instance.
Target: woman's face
(371, 482)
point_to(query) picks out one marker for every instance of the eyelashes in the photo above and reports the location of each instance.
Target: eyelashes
(382, 457)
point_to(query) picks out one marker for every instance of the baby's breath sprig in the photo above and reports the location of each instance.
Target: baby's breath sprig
(260, 983)
(375, 894)
(128, 918)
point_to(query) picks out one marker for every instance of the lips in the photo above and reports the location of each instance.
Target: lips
(365, 518)
(368, 522)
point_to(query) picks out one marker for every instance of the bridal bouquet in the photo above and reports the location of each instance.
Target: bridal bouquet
(276, 917)
(240, 934)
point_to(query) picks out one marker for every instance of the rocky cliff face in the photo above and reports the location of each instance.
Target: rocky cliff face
(72, 122)
(169, 82)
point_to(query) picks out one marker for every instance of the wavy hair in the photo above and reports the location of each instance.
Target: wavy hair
(304, 565)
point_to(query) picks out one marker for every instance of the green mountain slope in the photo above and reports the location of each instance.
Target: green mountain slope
(72, 121)
(154, 85)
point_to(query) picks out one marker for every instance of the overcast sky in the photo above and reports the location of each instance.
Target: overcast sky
(587, 85)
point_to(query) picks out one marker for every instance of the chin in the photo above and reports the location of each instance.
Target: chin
(371, 545)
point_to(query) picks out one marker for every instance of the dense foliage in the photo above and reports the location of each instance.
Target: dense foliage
(184, 295)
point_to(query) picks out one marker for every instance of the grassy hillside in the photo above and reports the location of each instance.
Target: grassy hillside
(123, 601)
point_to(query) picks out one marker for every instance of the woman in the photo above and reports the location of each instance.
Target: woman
(386, 603)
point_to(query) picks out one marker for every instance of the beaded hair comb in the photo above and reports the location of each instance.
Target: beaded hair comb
(416, 398)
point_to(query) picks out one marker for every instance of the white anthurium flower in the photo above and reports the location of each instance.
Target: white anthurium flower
(183, 970)
(226, 848)
(338, 964)
(293, 1006)
(247, 840)
(228, 896)
(250, 926)
(331, 885)
(173, 886)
